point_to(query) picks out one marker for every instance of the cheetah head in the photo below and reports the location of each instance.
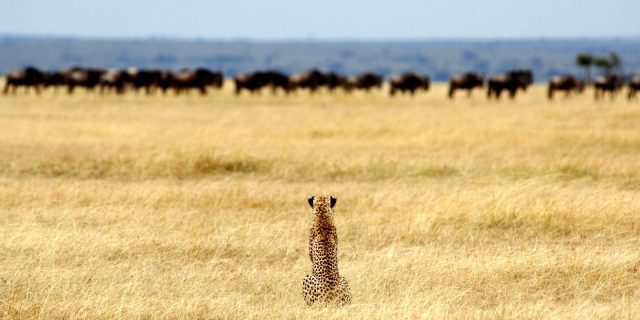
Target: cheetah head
(322, 205)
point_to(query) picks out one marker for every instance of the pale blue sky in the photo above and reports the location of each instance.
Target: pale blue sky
(328, 19)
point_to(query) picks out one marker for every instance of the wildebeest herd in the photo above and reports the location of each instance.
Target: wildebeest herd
(312, 80)
(111, 80)
(119, 81)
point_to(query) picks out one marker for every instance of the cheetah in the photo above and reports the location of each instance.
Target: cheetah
(324, 285)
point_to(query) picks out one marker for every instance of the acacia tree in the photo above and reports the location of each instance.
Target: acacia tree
(609, 64)
(585, 60)
(604, 64)
(615, 63)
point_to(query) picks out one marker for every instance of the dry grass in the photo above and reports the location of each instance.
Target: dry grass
(195, 207)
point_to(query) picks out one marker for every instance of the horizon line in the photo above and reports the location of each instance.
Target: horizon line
(312, 39)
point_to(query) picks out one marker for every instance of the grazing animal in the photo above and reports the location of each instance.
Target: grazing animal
(54, 79)
(27, 77)
(409, 82)
(276, 79)
(611, 84)
(324, 285)
(82, 77)
(365, 81)
(566, 83)
(251, 82)
(467, 81)
(312, 80)
(634, 87)
(147, 79)
(186, 79)
(255, 81)
(114, 80)
(511, 82)
(334, 80)
(525, 75)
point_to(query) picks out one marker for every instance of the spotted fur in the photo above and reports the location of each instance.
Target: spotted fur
(324, 284)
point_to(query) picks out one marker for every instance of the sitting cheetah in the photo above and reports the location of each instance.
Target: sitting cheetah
(324, 284)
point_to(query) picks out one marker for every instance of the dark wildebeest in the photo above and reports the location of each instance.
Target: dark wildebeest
(54, 79)
(409, 82)
(566, 83)
(255, 81)
(511, 82)
(334, 80)
(276, 79)
(312, 80)
(467, 81)
(115, 80)
(146, 79)
(27, 77)
(525, 75)
(251, 82)
(185, 80)
(365, 81)
(604, 84)
(634, 87)
(87, 78)
(207, 78)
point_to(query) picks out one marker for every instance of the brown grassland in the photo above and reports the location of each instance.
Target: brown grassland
(122, 207)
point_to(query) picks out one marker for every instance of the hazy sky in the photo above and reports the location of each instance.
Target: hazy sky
(325, 19)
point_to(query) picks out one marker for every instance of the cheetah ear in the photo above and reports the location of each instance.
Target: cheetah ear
(310, 200)
(333, 201)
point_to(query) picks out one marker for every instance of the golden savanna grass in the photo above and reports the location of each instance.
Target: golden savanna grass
(121, 207)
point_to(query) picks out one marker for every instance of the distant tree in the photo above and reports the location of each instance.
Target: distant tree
(615, 62)
(604, 64)
(609, 64)
(585, 60)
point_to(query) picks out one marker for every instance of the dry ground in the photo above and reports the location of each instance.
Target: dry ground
(195, 207)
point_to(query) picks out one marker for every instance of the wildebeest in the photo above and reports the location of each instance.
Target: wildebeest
(467, 81)
(87, 78)
(634, 86)
(611, 84)
(276, 79)
(567, 83)
(146, 79)
(251, 82)
(115, 80)
(186, 79)
(312, 80)
(54, 79)
(255, 81)
(334, 80)
(525, 75)
(27, 77)
(511, 82)
(410, 82)
(365, 81)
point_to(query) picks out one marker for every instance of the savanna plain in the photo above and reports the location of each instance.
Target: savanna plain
(185, 207)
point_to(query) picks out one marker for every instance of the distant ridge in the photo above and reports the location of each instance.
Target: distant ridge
(440, 58)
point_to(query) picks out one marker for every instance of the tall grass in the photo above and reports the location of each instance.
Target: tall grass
(194, 207)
